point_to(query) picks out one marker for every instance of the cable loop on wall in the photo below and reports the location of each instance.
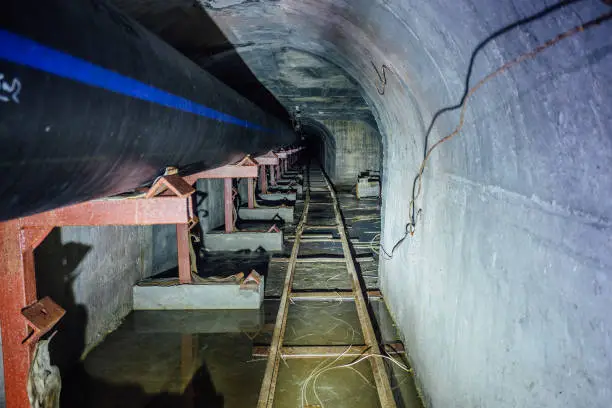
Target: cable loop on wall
(382, 78)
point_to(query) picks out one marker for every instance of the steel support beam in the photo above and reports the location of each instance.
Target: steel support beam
(156, 210)
(263, 180)
(251, 193)
(17, 291)
(228, 197)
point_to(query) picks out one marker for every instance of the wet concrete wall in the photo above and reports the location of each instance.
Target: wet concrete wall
(165, 253)
(357, 149)
(210, 205)
(90, 271)
(503, 292)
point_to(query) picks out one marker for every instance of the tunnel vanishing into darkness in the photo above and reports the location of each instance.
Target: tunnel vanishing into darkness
(496, 265)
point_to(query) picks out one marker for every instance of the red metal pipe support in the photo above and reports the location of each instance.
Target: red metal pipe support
(229, 205)
(268, 159)
(182, 244)
(245, 168)
(19, 238)
(263, 180)
(251, 192)
(272, 175)
(17, 291)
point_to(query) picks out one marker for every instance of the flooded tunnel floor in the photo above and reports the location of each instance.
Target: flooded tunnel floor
(213, 358)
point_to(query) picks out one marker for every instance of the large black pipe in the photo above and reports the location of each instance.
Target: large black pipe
(91, 104)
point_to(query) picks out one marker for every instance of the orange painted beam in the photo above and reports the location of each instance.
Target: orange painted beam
(18, 290)
(138, 211)
(228, 171)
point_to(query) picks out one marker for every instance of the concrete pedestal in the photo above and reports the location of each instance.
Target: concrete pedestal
(201, 321)
(236, 241)
(195, 297)
(278, 196)
(267, 213)
(280, 188)
(293, 176)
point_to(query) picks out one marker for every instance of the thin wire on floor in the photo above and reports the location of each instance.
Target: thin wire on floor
(325, 366)
(411, 225)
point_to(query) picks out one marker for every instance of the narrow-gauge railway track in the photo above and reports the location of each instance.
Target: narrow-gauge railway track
(317, 184)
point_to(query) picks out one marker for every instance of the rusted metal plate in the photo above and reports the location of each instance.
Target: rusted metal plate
(42, 316)
(247, 161)
(156, 210)
(174, 183)
(182, 244)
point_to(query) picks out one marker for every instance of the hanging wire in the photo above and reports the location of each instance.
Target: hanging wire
(382, 78)
(417, 184)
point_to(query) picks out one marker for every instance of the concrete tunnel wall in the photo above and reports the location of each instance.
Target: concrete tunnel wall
(357, 149)
(503, 293)
(346, 148)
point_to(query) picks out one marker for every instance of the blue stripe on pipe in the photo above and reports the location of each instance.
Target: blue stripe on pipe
(23, 51)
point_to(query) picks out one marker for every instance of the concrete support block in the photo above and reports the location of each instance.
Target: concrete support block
(293, 176)
(291, 196)
(236, 241)
(279, 188)
(267, 213)
(202, 321)
(197, 297)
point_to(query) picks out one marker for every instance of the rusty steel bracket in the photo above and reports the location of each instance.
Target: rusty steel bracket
(193, 221)
(252, 281)
(274, 228)
(247, 161)
(172, 182)
(41, 316)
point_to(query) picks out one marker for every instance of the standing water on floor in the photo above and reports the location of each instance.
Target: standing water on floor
(206, 359)
(218, 358)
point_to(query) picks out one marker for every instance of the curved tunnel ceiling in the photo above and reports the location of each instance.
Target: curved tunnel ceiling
(284, 56)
